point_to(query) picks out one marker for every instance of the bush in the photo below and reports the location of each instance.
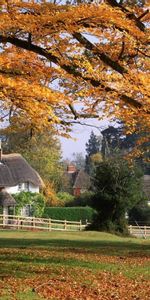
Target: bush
(35, 200)
(69, 213)
(64, 198)
(83, 200)
(140, 214)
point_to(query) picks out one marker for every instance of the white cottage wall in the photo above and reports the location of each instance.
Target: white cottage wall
(22, 187)
(12, 189)
(33, 188)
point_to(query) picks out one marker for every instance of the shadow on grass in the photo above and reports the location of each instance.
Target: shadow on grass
(99, 246)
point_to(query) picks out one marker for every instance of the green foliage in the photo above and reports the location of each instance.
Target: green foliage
(117, 189)
(35, 200)
(84, 199)
(69, 213)
(65, 198)
(115, 141)
(92, 147)
(140, 214)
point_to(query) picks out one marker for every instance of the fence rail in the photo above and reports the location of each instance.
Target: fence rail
(32, 223)
(20, 222)
(140, 231)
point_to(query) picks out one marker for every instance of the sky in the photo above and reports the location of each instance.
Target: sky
(80, 136)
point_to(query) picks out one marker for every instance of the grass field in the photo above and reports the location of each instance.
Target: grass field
(73, 266)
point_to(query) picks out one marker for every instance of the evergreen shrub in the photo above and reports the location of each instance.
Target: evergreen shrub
(69, 213)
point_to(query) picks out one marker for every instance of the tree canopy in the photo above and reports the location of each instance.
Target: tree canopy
(115, 197)
(60, 62)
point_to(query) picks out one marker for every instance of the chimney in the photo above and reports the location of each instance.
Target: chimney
(71, 169)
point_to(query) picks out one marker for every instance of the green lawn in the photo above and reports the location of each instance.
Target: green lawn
(76, 265)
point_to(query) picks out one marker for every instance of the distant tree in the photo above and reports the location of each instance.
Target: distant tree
(117, 189)
(92, 147)
(115, 140)
(78, 160)
(96, 158)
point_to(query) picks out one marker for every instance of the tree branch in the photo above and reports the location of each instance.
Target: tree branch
(70, 69)
(143, 15)
(146, 55)
(122, 50)
(129, 15)
(105, 58)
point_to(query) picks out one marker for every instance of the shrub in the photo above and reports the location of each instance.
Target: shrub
(69, 213)
(83, 200)
(64, 198)
(140, 214)
(35, 200)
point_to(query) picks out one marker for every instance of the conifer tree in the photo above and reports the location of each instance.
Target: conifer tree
(92, 147)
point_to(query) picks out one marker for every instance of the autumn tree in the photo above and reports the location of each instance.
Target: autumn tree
(62, 62)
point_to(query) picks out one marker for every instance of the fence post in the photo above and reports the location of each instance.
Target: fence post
(65, 225)
(130, 229)
(18, 223)
(145, 231)
(33, 222)
(80, 228)
(3, 220)
(49, 225)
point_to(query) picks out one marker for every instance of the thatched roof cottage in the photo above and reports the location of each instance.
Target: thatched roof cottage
(16, 175)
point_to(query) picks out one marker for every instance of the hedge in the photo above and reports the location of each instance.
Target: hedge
(69, 213)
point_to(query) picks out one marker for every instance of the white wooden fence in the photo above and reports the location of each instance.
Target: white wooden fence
(140, 231)
(32, 223)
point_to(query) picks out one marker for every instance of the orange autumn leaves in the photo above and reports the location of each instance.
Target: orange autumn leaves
(67, 274)
(64, 62)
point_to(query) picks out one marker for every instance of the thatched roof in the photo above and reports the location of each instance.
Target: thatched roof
(6, 199)
(82, 180)
(14, 169)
